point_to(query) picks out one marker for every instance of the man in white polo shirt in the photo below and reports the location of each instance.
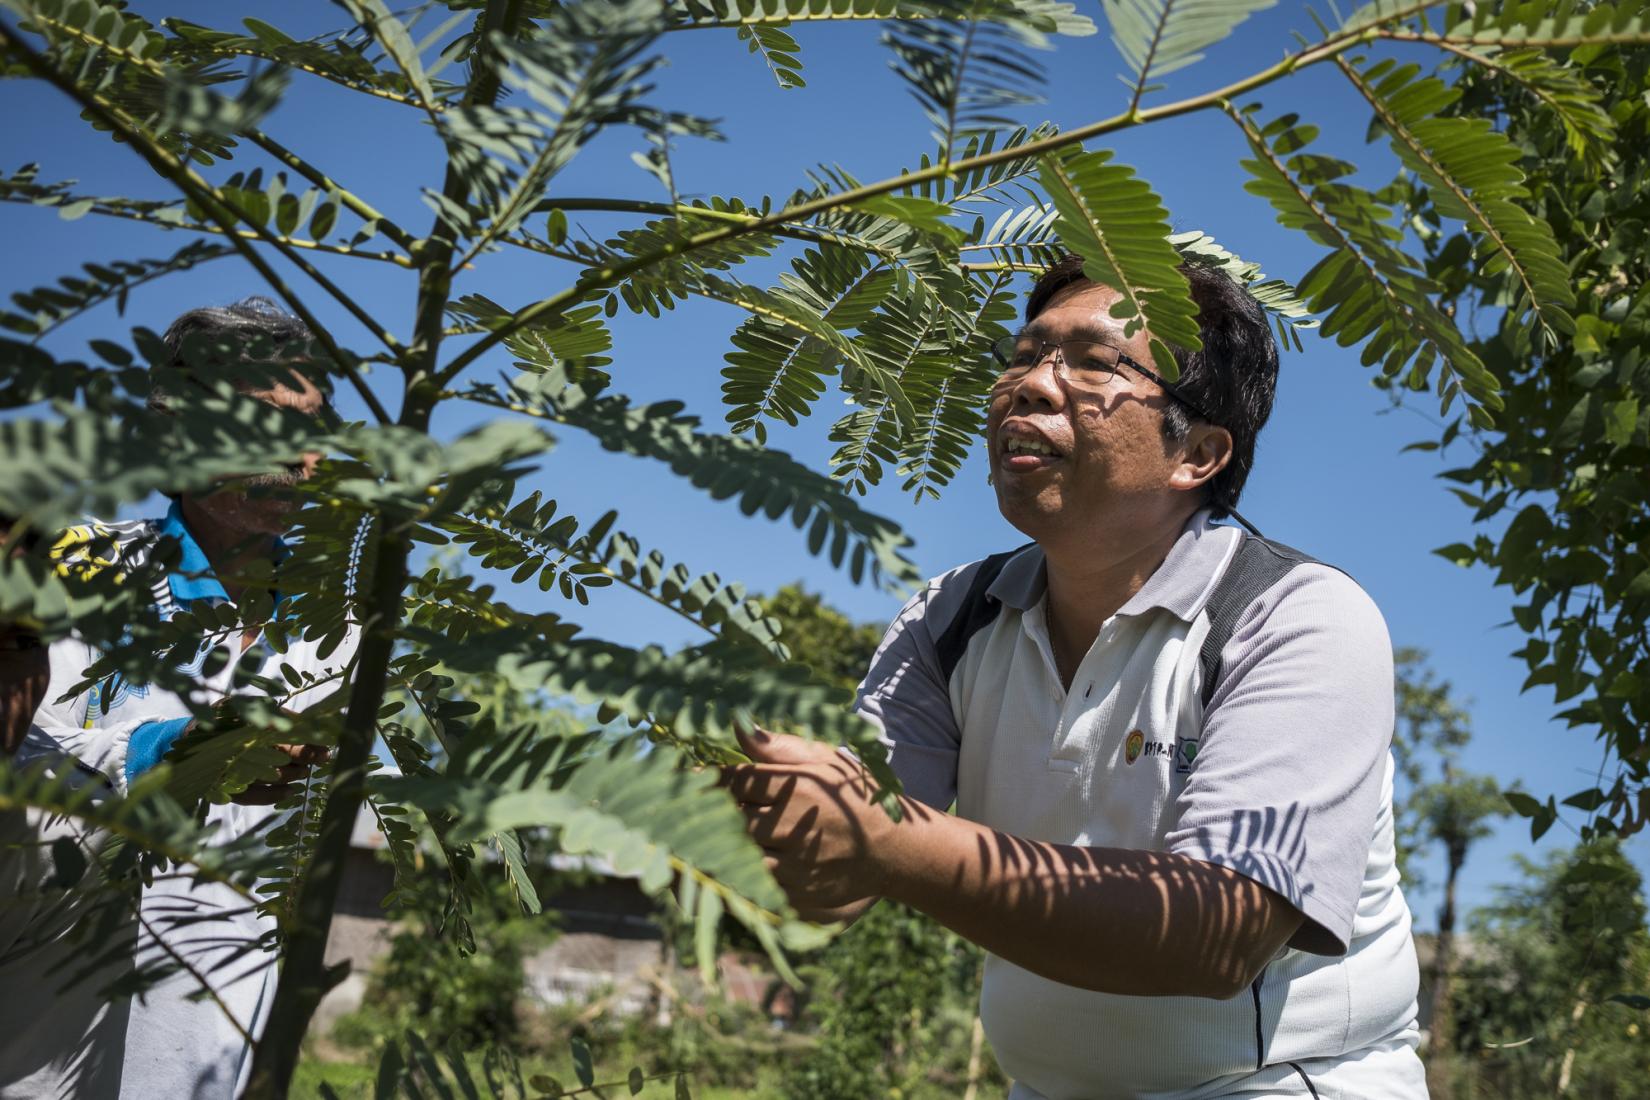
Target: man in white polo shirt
(1168, 744)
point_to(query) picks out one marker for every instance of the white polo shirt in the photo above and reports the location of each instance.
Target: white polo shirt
(1286, 778)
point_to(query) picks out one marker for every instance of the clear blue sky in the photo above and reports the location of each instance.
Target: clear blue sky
(1329, 477)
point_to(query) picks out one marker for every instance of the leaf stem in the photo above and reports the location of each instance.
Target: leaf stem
(320, 179)
(335, 78)
(179, 173)
(1449, 41)
(147, 217)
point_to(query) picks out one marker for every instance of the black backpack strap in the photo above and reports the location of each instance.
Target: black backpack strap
(977, 612)
(1258, 565)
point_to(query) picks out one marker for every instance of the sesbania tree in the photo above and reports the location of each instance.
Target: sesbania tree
(894, 289)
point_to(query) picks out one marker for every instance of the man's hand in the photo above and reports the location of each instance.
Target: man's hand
(809, 807)
(302, 758)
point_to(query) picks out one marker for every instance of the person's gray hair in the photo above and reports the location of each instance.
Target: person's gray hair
(251, 330)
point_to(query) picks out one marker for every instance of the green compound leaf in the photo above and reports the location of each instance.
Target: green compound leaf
(1158, 37)
(1113, 219)
(1472, 173)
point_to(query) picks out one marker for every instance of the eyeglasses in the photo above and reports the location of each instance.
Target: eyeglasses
(1086, 364)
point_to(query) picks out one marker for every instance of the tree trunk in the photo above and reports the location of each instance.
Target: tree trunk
(976, 1047)
(1443, 962)
(1569, 1062)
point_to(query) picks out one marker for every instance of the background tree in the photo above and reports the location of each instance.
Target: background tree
(1455, 811)
(1550, 1002)
(887, 291)
(1441, 805)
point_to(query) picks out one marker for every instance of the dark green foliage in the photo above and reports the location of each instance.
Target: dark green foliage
(836, 648)
(1546, 992)
(1558, 483)
(427, 985)
(877, 998)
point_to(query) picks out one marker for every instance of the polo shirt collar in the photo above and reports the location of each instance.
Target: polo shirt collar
(1181, 585)
(192, 579)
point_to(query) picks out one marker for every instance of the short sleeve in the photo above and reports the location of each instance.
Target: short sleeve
(905, 694)
(1287, 781)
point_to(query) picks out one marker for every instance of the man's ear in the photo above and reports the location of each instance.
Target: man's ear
(1205, 452)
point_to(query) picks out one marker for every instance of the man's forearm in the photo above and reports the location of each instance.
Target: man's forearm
(1106, 919)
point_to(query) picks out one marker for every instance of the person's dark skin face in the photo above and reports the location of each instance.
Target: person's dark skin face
(24, 674)
(242, 519)
(253, 511)
(1111, 459)
(1109, 501)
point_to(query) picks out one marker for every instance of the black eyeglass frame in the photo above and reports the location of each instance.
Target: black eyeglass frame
(1122, 360)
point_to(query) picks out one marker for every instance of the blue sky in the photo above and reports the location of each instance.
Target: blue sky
(1329, 474)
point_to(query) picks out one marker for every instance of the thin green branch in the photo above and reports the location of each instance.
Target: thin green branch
(336, 78)
(117, 290)
(257, 137)
(183, 172)
(169, 167)
(606, 277)
(135, 214)
(320, 179)
(1151, 56)
(1487, 38)
(799, 232)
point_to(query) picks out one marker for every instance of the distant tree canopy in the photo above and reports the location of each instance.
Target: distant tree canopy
(1553, 988)
(823, 638)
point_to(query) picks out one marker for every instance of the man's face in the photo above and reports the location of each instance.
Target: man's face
(1110, 458)
(257, 506)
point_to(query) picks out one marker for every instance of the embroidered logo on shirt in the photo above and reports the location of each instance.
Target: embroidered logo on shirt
(1184, 758)
(1135, 746)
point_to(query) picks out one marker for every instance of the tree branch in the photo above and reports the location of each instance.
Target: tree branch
(604, 278)
(320, 179)
(167, 165)
(335, 78)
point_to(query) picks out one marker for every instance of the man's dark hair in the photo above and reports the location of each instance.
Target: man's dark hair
(1234, 376)
(214, 338)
